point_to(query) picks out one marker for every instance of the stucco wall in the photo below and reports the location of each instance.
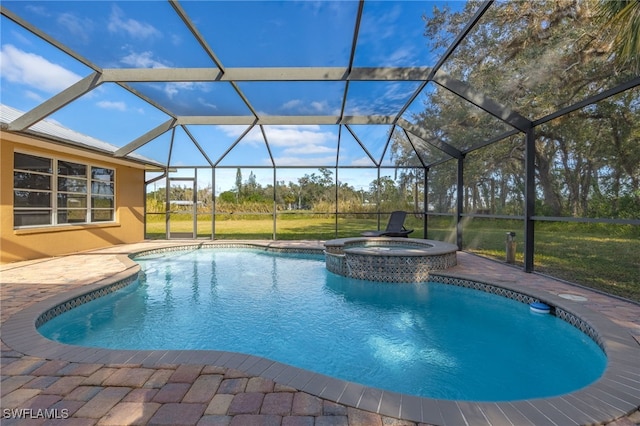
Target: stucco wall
(34, 243)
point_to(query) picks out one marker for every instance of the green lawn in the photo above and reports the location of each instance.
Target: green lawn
(603, 257)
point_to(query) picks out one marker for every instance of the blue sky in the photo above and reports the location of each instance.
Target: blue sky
(149, 34)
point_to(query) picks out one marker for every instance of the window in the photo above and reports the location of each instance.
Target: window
(56, 192)
(102, 194)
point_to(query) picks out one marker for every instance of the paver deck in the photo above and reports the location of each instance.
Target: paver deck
(43, 379)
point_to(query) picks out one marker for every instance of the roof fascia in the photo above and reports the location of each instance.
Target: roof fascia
(66, 146)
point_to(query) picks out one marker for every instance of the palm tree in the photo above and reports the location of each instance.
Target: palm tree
(622, 17)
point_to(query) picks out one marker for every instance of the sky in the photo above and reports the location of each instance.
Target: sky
(149, 34)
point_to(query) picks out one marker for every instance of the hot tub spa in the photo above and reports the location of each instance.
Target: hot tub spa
(388, 259)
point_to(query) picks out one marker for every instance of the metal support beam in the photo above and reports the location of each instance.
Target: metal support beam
(262, 74)
(352, 54)
(275, 202)
(195, 142)
(336, 203)
(425, 201)
(183, 15)
(493, 140)
(413, 146)
(529, 198)
(442, 146)
(147, 137)
(283, 119)
(472, 23)
(46, 37)
(214, 205)
(50, 106)
(591, 100)
(233, 145)
(459, 202)
(389, 73)
(364, 148)
(162, 75)
(483, 102)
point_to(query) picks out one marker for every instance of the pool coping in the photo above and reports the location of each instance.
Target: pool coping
(614, 395)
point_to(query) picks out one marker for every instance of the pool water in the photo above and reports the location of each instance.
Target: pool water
(425, 339)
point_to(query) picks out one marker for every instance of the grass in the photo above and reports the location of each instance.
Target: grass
(603, 257)
(600, 256)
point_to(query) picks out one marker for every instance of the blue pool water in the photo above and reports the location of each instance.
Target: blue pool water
(425, 339)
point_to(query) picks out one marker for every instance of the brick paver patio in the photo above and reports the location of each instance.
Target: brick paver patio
(192, 393)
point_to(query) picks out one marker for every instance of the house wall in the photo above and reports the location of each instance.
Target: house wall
(34, 243)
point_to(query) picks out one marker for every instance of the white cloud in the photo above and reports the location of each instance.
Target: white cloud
(232, 130)
(302, 145)
(320, 106)
(176, 39)
(292, 104)
(293, 145)
(207, 104)
(173, 88)
(80, 28)
(304, 161)
(33, 95)
(384, 100)
(33, 70)
(403, 56)
(20, 39)
(362, 161)
(142, 60)
(380, 26)
(37, 10)
(290, 136)
(312, 107)
(119, 23)
(309, 149)
(119, 106)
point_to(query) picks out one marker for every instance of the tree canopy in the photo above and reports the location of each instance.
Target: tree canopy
(536, 58)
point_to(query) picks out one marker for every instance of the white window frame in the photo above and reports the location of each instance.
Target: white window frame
(53, 207)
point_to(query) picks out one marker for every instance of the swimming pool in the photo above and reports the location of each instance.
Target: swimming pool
(423, 339)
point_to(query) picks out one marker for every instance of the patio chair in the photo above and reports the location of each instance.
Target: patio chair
(395, 227)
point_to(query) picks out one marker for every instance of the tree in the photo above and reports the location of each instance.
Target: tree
(315, 189)
(238, 187)
(536, 57)
(621, 19)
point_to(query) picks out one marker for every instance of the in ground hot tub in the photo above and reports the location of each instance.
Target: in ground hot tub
(388, 259)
